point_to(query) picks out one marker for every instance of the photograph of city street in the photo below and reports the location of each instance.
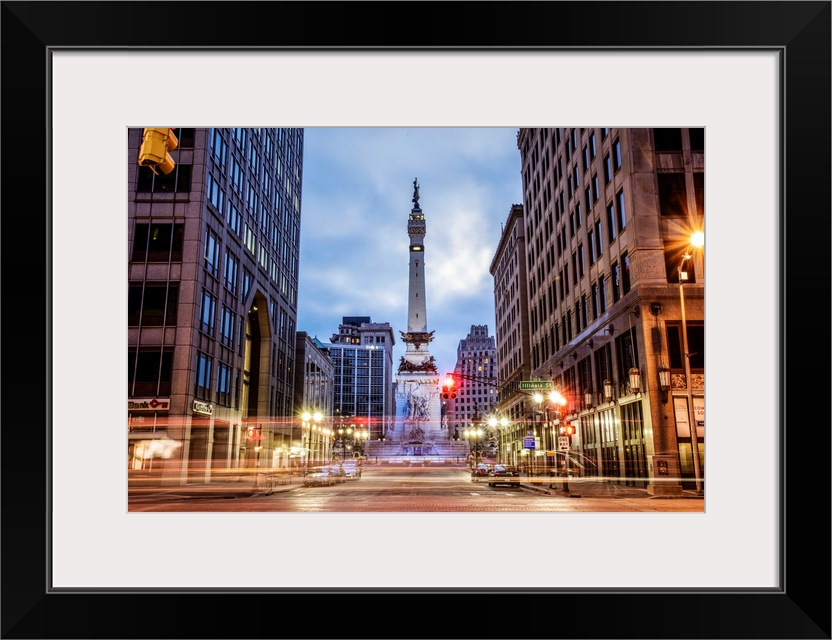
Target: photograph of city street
(419, 319)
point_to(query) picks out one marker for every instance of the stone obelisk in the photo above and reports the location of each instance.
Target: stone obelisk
(418, 407)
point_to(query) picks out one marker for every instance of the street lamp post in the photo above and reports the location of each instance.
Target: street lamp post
(473, 435)
(697, 240)
(358, 436)
(556, 400)
(309, 428)
(500, 425)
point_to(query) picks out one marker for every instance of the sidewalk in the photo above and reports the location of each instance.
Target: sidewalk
(230, 488)
(585, 488)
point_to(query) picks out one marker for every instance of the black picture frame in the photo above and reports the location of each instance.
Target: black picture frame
(800, 31)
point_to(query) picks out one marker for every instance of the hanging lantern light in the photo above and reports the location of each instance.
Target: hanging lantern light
(607, 390)
(664, 381)
(588, 398)
(635, 380)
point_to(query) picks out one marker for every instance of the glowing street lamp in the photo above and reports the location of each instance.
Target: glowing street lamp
(310, 421)
(697, 241)
(474, 435)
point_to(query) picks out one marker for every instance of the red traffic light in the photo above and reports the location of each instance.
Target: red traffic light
(449, 387)
(569, 429)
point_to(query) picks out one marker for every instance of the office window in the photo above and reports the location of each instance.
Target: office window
(586, 157)
(668, 139)
(672, 194)
(241, 137)
(253, 159)
(219, 147)
(250, 239)
(224, 384)
(157, 242)
(234, 218)
(697, 139)
(227, 324)
(581, 260)
(611, 221)
(202, 383)
(208, 312)
(212, 253)
(595, 190)
(149, 371)
(625, 273)
(602, 294)
(231, 269)
(604, 133)
(699, 192)
(696, 346)
(588, 194)
(599, 241)
(616, 282)
(607, 169)
(590, 236)
(178, 180)
(594, 289)
(152, 304)
(252, 199)
(248, 280)
(216, 195)
(592, 147)
(236, 175)
(616, 154)
(584, 311)
(578, 219)
(622, 216)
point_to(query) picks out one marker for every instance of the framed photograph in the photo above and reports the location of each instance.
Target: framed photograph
(77, 76)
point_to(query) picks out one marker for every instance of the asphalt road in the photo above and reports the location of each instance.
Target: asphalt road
(400, 489)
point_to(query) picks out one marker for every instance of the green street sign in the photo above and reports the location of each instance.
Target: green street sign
(536, 385)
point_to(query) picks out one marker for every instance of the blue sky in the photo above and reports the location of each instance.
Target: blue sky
(357, 192)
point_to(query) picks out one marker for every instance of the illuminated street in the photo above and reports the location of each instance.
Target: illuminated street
(397, 488)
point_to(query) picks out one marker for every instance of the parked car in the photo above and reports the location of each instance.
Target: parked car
(504, 474)
(319, 476)
(338, 471)
(480, 471)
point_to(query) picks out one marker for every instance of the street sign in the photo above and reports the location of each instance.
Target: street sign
(528, 443)
(563, 443)
(536, 385)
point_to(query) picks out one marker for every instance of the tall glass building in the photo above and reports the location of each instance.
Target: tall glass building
(362, 353)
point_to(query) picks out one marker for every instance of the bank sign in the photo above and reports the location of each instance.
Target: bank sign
(148, 404)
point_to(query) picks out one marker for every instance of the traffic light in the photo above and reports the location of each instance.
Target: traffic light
(449, 388)
(569, 429)
(157, 143)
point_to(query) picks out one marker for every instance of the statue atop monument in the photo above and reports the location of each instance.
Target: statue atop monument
(415, 192)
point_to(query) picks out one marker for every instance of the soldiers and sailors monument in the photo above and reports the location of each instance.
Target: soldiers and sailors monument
(418, 423)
